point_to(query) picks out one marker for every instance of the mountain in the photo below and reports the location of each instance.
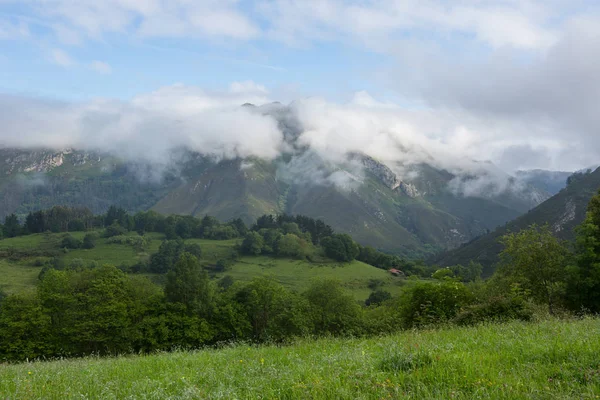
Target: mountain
(563, 212)
(550, 181)
(414, 217)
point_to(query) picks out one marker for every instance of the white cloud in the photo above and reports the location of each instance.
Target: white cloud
(520, 24)
(11, 31)
(147, 128)
(60, 57)
(146, 18)
(101, 67)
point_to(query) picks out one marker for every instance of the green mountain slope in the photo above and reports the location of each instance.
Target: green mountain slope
(362, 197)
(34, 180)
(563, 212)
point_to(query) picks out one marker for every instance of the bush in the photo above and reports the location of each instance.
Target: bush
(433, 303)
(114, 230)
(495, 309)
(194, 249)
(137, 242)
(223, 265)
(377, 297)
(89, 241)
(69, 242)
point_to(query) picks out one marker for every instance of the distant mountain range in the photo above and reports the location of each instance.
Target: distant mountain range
(414, 217)
(550, 181)
(414, 208)
(563, 212)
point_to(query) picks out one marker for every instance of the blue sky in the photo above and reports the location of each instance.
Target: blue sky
(518, 76)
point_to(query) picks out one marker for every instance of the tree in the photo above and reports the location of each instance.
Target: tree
(188, 284)
(114, 230)
(12, 227)
(167, 255)
(23, 328)
(431, 303)
(291, 245)
(340, 247)
(332, 310)
(274, 313)
(253, 244)
(583, 286)
(536, 258)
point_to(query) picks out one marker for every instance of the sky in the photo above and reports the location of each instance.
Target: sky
(513, 82)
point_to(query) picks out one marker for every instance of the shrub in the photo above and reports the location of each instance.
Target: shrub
(69, 242)
(89, 241)
(114, 230)
(377, 297)
(223, 265)
(494, 309)
(432, 303)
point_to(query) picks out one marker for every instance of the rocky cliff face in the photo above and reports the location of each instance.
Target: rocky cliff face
(13, 161)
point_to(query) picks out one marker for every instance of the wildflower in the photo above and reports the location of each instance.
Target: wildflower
(262, 360)
(29, 373)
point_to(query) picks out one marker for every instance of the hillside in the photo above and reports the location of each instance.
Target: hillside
(21, 261)
(415, 217)
(547, 360)
(563, 212)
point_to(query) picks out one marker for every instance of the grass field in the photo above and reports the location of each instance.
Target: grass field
(546, 360)
(16, 277)
(298, 274)
(294, 274)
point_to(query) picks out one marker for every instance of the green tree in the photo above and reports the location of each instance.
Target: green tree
(583, 287)
(89, 241)
(167, 255)
(115, 229)
(332, 310)
(188, 284)
(23, 328)
(340, 247)
(432, 303)
(537, 259)
(253, 244)
(290, 245)
(12, 226)
(273, 312)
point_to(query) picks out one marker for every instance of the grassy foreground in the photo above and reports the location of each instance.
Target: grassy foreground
(547, 360)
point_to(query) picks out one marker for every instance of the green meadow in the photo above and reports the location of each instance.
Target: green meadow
(21, 273)
(550, 359)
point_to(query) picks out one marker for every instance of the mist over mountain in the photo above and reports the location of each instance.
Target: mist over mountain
(394, 194)
(550, 181)
(563, 212)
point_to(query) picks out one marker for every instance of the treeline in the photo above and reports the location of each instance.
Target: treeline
(276, 235)
(118, 221)
(103, 311)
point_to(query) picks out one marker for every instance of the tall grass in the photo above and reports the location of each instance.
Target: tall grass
(546, 360)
